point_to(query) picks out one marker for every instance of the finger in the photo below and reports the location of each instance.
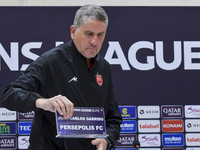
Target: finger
(95, 142)
(67, 107)
(72, 109)
(62, 106)
(100, 143)
(56, 104)
(101, 147)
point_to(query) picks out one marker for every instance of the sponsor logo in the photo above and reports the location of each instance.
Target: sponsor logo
(7, 128)
(23, 142)
(149, 140)
(189, 125)
(148, 112)
(172, 125)
(26, 116)
(148, 125)
(149, 149)
(75, 79)
(141, 112)
(128, 126)
(173, 139)
(126, 140)
(128, 112)
(124, 149)
(193, 139)
(24, 127)
(192, 125)
(193, 148)
(173, 149)
(192, 111)
(172, 111)
(8, 142)
(7, 115)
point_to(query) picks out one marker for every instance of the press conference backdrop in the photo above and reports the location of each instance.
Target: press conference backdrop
(154, 54)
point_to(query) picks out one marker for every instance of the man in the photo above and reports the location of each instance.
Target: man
(72, 74)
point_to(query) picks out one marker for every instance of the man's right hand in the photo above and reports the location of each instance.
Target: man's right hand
(61, 103)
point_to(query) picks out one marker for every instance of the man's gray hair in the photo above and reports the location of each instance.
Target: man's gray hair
(90, 12)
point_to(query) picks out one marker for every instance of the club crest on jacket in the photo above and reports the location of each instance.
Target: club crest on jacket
(99, 79)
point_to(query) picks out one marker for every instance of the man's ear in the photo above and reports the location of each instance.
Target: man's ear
(73, 30)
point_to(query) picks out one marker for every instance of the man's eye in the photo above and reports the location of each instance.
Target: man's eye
(89, 33)
(99, 35)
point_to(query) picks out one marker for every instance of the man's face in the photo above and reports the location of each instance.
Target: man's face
(89, 38)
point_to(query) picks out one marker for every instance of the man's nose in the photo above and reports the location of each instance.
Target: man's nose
(94, 40)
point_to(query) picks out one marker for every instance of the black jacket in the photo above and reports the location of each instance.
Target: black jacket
(49, 76)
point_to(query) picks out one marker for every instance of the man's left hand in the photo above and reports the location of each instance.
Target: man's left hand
(100, 143)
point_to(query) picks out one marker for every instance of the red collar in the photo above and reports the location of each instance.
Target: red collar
(91, 64)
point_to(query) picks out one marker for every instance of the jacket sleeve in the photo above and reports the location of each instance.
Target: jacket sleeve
(113, 122)
(21, 94)
(113, 116)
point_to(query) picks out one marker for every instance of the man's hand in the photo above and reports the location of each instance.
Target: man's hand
(62, 104)
(101, 144)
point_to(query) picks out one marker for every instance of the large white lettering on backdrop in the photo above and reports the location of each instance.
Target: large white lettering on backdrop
(188, 55)
(12, 61)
